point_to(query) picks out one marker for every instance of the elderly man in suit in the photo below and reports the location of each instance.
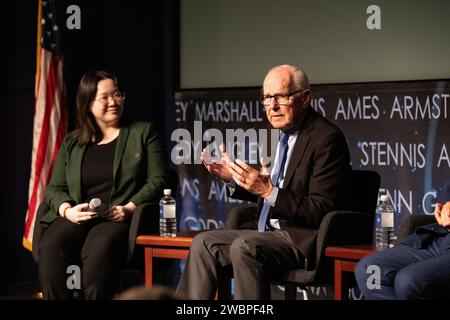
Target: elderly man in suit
(306, 180)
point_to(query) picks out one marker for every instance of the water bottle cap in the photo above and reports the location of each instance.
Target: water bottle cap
(167, 192)
(384, 197)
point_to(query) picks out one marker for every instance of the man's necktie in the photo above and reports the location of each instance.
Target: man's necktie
(276, 177)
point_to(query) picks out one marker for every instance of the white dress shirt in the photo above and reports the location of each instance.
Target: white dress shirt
(274, 194)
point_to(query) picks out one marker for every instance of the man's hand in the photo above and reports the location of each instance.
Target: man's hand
(217, 167)
(251, 179)
(442, 214)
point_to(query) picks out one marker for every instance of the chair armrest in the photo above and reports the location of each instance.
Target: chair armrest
(240, 217)
(145, 220)
(343, 228)
(38, 230)
(411, 222)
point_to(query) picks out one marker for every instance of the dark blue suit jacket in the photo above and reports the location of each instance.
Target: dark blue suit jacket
(423, 235)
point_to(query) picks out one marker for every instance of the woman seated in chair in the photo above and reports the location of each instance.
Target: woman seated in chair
(419, 268)
(106, 157)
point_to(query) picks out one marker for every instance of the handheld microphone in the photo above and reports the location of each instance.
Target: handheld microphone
(94, 204)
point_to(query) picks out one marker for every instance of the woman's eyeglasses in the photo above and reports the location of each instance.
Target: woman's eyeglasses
(118, 97)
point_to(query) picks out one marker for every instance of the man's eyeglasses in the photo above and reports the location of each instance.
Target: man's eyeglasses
(280, 99)
(118, 97)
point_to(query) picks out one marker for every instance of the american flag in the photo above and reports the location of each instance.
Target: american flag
(50, 114)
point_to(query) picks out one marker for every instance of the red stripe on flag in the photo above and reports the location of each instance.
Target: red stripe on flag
(43, 139)
(60, 133)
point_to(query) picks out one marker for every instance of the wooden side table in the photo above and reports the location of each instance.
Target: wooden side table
(177, 247)
(345, 260)
(156, 246)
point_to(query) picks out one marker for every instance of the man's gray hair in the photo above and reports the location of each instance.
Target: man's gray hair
(299, 77)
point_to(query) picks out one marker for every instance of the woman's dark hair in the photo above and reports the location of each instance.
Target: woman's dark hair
(87, 129)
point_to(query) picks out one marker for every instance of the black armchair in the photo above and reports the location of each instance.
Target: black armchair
(354, 225)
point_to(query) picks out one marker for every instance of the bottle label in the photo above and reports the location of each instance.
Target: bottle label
(169, 211)
(387, 220)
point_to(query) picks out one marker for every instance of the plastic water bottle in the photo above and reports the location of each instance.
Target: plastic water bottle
(384, 224)
(167, 215)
